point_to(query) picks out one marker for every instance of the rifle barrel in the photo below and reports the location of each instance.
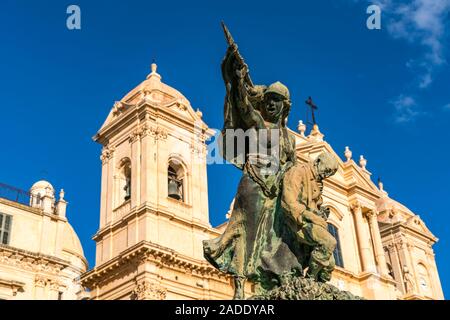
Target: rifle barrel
(231, 43)
(228, 35)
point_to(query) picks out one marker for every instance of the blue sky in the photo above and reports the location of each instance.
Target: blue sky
(385, 93)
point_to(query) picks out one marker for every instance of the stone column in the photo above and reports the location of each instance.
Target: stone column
(146, 163)
(110, 187)
(367, 262)
(204, 186)
(434, 276)
(104, 187)
(54, 290)
(39, 288)
(162, 165)
(135, 169)
(378, 245)
(115, 199)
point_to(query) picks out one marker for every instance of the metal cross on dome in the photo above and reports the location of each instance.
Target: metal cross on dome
(313, 107)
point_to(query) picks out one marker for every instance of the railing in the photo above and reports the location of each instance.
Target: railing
(14, 194)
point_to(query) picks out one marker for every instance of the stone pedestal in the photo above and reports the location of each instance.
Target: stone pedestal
(305, 289)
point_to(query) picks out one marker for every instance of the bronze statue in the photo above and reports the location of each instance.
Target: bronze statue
(265, 240)
(301, 201)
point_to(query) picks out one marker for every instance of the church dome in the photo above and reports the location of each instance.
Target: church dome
(157, 91)
(157, 94)
(71, 243)
(42, 187)
(386, 204)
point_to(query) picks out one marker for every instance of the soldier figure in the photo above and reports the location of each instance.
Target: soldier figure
(301, 202)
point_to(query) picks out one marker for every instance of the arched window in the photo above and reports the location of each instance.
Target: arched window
(124, 185)
(176, 180)
(38, 200)
(337, 252)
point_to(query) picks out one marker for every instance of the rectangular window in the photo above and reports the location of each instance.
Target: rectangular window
(5, 228)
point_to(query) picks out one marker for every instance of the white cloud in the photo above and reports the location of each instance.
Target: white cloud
(421, 22)
(424, 24)
(425, 80)
(405, 108)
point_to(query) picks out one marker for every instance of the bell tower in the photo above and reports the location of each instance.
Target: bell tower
(154, 183)
(154, 200)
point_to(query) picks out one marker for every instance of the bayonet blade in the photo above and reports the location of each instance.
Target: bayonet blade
(228, 35)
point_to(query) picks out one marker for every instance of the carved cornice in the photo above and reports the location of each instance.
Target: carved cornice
(129, 111)
(31, 261)
(144, 252)
(24, 207)
(149, 209)
(401, 228)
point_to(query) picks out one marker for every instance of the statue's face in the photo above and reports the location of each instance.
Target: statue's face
(273, 107)
(324, 168)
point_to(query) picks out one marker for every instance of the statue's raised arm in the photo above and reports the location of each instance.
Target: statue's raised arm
(242, 97)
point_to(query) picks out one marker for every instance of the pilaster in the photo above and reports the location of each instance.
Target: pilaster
(367, 262)
(378, 245)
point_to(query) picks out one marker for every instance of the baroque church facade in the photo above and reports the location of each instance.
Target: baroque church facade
(154, 211)
(41, 257)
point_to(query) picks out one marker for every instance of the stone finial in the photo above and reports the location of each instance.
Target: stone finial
(362, 162)
(199, 113)
(301, 128)
(380, 184)
(61, 205)
(315, 134)
(348, 154)
(381, 187)
(61, 194)
(154, 68)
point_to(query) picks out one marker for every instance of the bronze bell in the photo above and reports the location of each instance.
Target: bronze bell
(174, 191)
